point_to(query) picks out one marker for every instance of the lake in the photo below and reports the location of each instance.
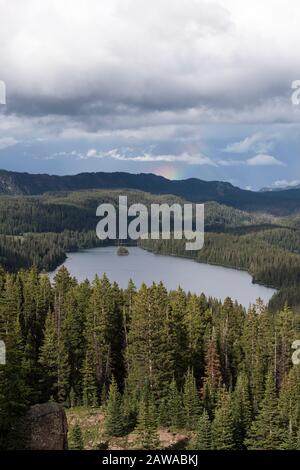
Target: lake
(142, 266)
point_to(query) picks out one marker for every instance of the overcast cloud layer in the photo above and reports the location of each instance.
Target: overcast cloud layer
(198, 87)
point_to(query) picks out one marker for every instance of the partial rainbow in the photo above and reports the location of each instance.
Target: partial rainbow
(168, 171)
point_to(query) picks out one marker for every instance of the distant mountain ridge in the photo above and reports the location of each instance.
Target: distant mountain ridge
(192, 189)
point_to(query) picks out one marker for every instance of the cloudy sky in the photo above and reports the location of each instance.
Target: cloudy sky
(179, 88)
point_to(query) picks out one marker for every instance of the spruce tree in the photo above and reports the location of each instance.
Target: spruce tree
(76, 438)
(285, 335)
(114, 425)
(213, 377)
(222, 426)
(195, 328)
(175, 406)
(73, 326)
(202, 439)
(54, 361)
(149, 342)
(146, 429)
(241, 409)
(179, 332)
(14, 391)
(89, 384)
(266, 432)
(191, 401)
(289, 404)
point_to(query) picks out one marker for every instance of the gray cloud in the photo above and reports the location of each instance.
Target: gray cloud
(99, 61)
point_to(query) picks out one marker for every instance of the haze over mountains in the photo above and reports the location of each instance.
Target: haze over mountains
(195, 190)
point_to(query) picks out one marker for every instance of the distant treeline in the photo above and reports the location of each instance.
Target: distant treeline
(43, 250)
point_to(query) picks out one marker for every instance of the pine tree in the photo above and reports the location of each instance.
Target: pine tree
(258, 346)
(89, 385)
(285, 335)
(241, 409)
(202, 439)
(195, 328)
(191, 402)
(230, 329)
(14, 391)
(149, 353)
(146, 429)
(222, 426)
(212, 379)
(104, 332)
(266, 432)
(175, 406)
(54, 361)
(76, 438)
(289, 405)
(179, 334)
(113, 413)
(73, 325)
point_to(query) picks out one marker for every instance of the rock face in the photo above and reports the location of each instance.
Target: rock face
(46, 427)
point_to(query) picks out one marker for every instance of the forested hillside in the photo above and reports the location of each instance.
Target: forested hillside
(39, 230)
(193, 189)
(222, 376)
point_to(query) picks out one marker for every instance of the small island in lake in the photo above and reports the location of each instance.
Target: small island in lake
(122, 251)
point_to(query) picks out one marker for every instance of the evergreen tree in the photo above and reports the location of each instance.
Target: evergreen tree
(213, 377)
(146, 429)
(179, 334)
(241, 410)
(266, 432)
(222, 426)
(285, 334)
(75, 438)
(149, 353)
(76, 306)
(202, 439)
(113, 412)
(89, 385)
(194, 322)
(175, 406)
(191, 402)
(289, 405)
(14, 391)
(54, 361)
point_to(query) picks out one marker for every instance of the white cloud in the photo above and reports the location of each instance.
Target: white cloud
(231, 162)
(7, 142)
(254, 142)
(264, 160)
(195, 159)
(286, 184)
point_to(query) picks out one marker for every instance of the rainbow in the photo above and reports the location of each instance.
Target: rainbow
(169, 172)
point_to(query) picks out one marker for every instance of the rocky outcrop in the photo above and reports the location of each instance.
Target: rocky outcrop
(46, 427)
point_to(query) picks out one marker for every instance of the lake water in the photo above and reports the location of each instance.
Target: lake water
(142, 266)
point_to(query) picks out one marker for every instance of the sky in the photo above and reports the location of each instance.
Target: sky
(194, 88)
